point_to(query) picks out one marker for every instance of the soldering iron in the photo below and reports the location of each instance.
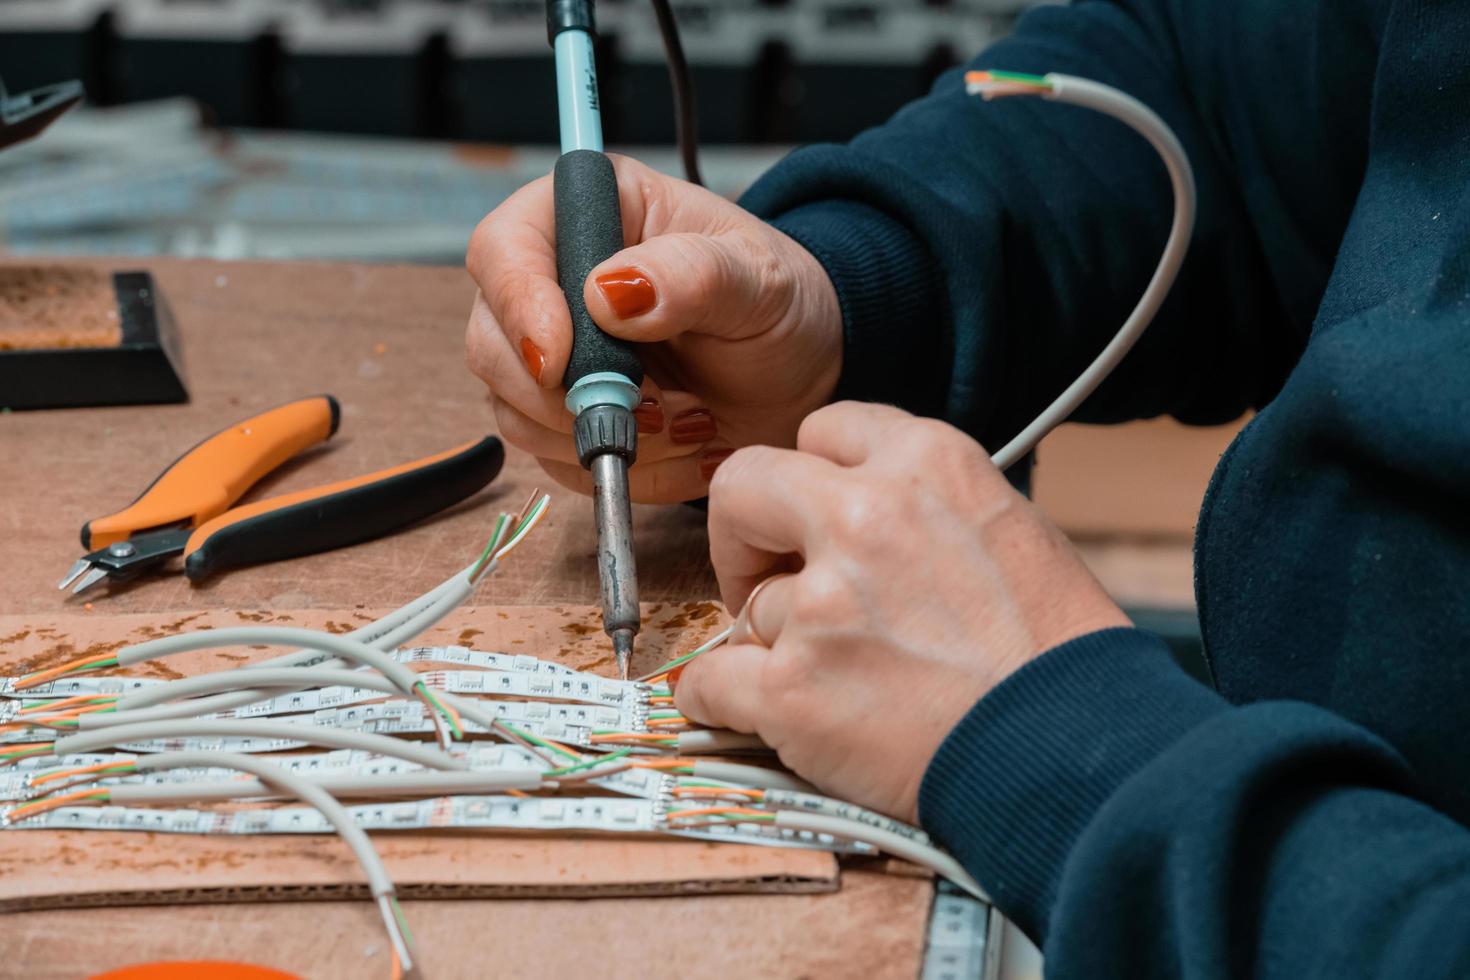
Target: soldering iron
(604, 373)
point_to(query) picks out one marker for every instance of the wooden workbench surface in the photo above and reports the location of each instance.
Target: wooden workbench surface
(387, 342)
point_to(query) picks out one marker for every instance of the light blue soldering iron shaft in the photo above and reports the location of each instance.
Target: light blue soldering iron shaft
(577, 100)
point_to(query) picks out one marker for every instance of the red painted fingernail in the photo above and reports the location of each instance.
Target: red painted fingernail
(535, 360)
(695, 425)
(650, 416)
(627, 291)
(711, 461)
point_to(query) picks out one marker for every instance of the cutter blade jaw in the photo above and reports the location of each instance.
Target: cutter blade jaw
(122, 560)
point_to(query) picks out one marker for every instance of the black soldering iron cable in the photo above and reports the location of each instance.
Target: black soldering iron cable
(686, 118)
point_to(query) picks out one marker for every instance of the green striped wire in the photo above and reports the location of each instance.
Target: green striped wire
(439, 707)
(534, 740)
(589, 763)
(1018, 76)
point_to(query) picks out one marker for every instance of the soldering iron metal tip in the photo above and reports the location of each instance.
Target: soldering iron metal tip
(623, 647)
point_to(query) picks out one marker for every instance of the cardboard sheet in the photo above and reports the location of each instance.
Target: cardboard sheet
(47, 869)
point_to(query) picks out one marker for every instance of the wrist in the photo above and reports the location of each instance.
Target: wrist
(889, 302)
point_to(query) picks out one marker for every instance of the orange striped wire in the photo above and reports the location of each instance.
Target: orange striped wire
(665, 722)
(516, 792)
(674, 763)
(755, 794)
(62, 703)
(710, 811)
(66, 715)
(52, 802)
(632, 737)
(564, 748)
(661, 699)
(79, 771)
(51, 673)
(6, 758)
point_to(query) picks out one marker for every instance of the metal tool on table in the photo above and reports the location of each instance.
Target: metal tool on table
(604, 374)
(24, 114)
(187, 509)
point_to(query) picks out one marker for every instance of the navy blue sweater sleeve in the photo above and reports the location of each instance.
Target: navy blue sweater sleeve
(983, 252)
(1138, 825)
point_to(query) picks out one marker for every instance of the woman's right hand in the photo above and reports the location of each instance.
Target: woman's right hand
(737, 324)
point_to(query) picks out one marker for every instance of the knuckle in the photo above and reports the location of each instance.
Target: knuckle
(946, 456)
(784, 679)
(823, 594)
(863, 514)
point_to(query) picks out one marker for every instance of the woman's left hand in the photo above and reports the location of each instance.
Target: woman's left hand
(922, 579)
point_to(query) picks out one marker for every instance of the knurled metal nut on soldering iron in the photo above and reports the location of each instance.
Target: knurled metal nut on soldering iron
(605, 429)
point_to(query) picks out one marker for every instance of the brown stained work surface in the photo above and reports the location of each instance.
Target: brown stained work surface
(387, 342)
(56, 306)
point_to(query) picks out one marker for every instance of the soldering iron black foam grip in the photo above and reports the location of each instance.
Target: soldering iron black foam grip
(589, 229)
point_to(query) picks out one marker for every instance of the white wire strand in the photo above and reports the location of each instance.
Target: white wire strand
(281, 680)
(340, 738)
(392, 630)
(410, 784)
(379, 882)
(1144, 121)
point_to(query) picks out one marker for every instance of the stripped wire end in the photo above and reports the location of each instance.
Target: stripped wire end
(503, 541)
(444, 710)
(705, 816)
(994, 83)
(52, 704)
(399, 936)
(69, 777)
(37, 807)
(662, 672)
(14, 755)
(71, 667)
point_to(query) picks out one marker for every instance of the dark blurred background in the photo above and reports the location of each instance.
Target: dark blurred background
(481, 69)
(382, 129)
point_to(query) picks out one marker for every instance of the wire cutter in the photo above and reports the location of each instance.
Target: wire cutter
(187, 509)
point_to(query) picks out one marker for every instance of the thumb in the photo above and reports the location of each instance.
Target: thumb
(728, 285)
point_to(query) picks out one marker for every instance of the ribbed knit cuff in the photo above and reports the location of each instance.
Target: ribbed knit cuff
(889, 289)
(1018, 780)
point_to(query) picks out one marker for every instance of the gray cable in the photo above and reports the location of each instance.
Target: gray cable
(1143, 120)
(346, 649)
(311, 734)
(715, 740)
(420, 784)
(386, 633)
(755, 776)
(784, 799)
(282, 679)
(910, 850)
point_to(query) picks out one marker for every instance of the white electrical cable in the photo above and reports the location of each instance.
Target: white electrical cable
(704, 742)
(281, 679)
(338, 738)
(379, 883)
(755, 777)
(411, 784)
(1128, 110)
(340, 646)
(782, 799)
(392, 630)
(895, 844)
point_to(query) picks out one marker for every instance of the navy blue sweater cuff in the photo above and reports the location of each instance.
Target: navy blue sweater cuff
(888, 286)
(1016, 783)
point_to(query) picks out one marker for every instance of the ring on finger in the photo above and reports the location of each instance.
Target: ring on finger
(745, 622)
